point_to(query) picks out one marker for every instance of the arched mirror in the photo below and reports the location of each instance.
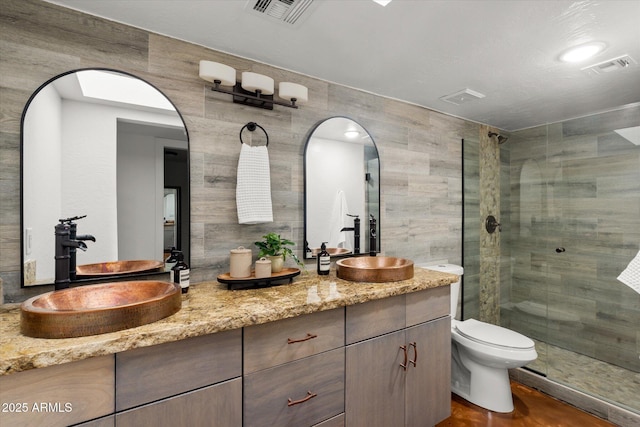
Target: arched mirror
(111, 148)
(342, 189)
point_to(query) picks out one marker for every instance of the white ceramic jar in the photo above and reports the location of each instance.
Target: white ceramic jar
(240, 262)
(263, 268)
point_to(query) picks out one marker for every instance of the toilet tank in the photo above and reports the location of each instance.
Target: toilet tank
(455, 287)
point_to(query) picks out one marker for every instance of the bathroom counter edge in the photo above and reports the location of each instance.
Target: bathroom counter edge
(208, 308)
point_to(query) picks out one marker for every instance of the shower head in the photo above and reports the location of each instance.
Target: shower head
(501, 139)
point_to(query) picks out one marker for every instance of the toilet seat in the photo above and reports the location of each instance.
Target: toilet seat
(494, 335)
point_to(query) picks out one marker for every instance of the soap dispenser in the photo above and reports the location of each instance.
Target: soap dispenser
(181, 273)
(324, 260)
(171, 260)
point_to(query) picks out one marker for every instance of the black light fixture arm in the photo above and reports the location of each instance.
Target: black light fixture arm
(254, 99)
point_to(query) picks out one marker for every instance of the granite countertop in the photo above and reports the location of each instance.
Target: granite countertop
(208, 308)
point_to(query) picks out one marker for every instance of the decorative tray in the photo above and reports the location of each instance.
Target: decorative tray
(287, 274)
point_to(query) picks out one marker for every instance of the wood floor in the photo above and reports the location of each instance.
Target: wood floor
(532, 409)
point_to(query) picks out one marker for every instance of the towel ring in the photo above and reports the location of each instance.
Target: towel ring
(251, 126)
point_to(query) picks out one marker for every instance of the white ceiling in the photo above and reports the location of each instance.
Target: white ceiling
(421, 50)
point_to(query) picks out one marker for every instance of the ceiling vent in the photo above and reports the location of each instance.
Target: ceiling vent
(462, 97)
(615, 64)
(285, 11)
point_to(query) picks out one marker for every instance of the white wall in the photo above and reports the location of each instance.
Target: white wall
(341, 166)
(41, 207)
(138, 197)
(89, 175)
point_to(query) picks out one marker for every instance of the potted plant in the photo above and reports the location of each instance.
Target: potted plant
(277, 249)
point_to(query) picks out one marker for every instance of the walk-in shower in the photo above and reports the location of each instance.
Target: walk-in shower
(573, 186)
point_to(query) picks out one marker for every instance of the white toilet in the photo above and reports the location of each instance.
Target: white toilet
(481, 353)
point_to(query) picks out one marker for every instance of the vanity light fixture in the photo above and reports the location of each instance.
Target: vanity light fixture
(582, 52)
(382, 2)
(255, 90)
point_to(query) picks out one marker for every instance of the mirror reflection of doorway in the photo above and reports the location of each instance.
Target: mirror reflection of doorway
(171, 222)
(176, 201)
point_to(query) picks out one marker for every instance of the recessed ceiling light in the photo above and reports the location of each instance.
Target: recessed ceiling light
(582, 52)
(382, 2)
(351, 134)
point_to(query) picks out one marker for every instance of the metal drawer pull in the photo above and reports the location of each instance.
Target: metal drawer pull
(415, 353)
(307, 338)
(304, 399)
(404, 365)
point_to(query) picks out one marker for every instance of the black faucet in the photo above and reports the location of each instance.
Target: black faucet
(67, 242)
(73, 228)
(372, 236)
(356, 232)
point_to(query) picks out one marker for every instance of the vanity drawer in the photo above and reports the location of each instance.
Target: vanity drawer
(279, 342)
(218, 405)
(300, 393)
(427, 305)
(150, 373)
(375, 318)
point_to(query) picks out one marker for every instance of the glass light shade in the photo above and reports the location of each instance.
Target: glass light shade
(289, 91)
(211, 71)
(254, 81)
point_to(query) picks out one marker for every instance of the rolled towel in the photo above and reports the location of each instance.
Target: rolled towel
(253, 191)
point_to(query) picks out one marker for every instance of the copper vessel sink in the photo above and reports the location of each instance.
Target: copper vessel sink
(98, 309)
(332, 251)
(113, 268)
(375, 269)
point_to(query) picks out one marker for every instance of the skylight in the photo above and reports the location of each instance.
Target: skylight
(118, 88)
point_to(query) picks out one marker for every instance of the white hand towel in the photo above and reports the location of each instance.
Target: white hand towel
(337, 238)
(253, 191)
(631, 275)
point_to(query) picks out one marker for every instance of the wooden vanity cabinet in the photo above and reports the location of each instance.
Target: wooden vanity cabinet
(379, 391)
(196, 381)
(326, 369)
(294, 371)
(58, 395)
(274, 343)
(218, 405)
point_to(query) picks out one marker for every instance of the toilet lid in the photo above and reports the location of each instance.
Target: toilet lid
(492, 334)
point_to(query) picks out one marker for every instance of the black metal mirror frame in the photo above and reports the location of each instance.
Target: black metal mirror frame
(22, 123)
(365, 221)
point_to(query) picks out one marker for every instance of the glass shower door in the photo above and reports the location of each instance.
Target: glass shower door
(575, 212)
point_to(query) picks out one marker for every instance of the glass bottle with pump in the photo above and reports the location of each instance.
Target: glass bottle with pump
(181, 273)
(171, 260)
(324, 260)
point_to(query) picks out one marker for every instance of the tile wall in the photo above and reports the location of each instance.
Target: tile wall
(420, 149)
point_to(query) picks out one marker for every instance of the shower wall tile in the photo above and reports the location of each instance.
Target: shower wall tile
(420, 149)
(490, 259)
(602, 123)
(576, 185)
